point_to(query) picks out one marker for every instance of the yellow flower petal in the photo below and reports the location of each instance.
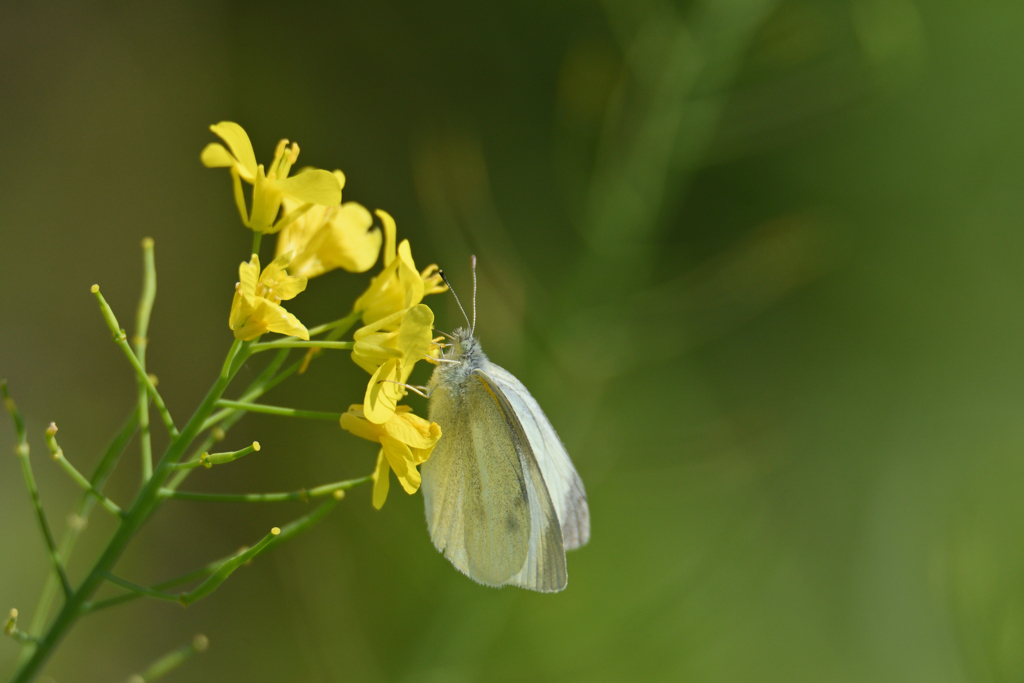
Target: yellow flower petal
(215, 156)
(381, 399)
(381, 483)
(413, 430)
(390, 233)
(351, 242)
(370, 356)
(314, 186)
(355, 421)
(392, 321)
(245, 293)
(276, 319)
(401, 460)
(241, 148)
(415, 336)
(276, 282)
(254, 309)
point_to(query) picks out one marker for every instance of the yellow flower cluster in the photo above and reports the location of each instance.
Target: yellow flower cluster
(397, 333)
(317, 234)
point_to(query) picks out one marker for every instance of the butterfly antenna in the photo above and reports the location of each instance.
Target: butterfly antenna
(472, 328)
(452, 290)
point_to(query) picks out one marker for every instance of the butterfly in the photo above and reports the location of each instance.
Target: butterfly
(502, 498)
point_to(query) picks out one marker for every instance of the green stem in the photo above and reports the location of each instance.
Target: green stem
(301, 494)
(228, 417)
(22, 451)
(11, 630)
(225, 570)
(145, 503)
(257, 237)
(58, 455)
(79, 519)
(211, 459)
(121, 339)
(210, 568)
(255, 390)
(140, 341)
(288, 531)
(342, 324)
(277, 410)
(300, 344)
(140, 590)
(171, 661)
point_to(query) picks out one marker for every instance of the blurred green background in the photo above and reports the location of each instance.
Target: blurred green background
(759, 260)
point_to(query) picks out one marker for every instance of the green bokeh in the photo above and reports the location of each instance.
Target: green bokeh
(758, 260)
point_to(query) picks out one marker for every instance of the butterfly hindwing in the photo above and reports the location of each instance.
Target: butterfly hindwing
(544, 569)
(563, 483)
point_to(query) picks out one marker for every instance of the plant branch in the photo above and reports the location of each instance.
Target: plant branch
(144, 505)
(58, 455)
(226, 569)
(30, 482)
(210, 459)
(11, 629)
(79, 520)
(139, 590)
(301, 494)
(301, 344)
(277, 410)
(121, 339)
(340, 326)
(255, 390)
(140, 341)
(172, 660)
(204, 571)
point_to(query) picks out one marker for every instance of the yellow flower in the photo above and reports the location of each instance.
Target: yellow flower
(399, 285)
(390, 357)
(329, 237)
(257, 308)
(406, 441)
(270, 187)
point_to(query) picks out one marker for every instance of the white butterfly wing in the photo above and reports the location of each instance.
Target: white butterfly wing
(544, 569)
(564, 485)
(478, 501)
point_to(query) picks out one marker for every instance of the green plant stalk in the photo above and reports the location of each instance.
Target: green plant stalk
(301, 344)
(288, 532)
(141, 590)
(22, 451)
(171, 660)
(121, 339)
(145, 503)
(81, 515)
(58, 455)
(339, 327)
(229, 416)
(140, 342)
(277, 410)
(301, 494)
(11, 630)
(256, 389)
(211, 459)
(203, 571)
(214, 580)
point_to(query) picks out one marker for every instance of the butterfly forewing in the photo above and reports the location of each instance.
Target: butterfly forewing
(474, 489)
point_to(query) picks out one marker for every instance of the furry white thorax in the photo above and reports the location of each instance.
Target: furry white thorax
(465, 349)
